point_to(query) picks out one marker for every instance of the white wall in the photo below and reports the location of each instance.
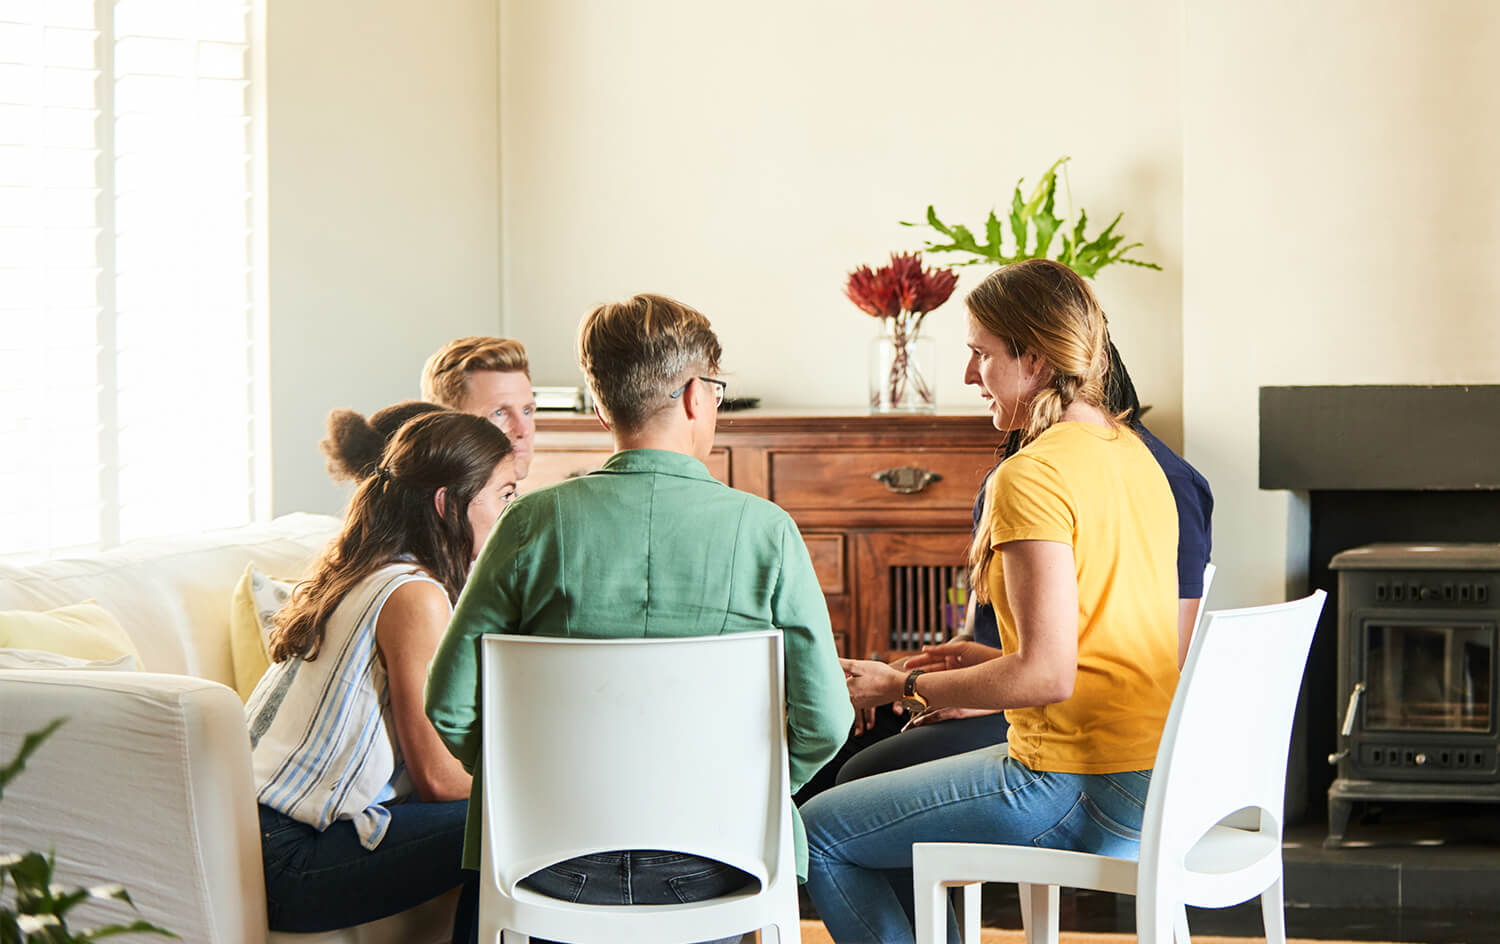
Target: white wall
(1342, 221)
(383, 209)
(744, 157)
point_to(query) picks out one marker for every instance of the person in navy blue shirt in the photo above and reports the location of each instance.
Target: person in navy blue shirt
(884, 742)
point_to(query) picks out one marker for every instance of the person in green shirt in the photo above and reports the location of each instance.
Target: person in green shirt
(651, 544)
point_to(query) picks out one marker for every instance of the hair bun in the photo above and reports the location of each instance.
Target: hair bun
(352, 446)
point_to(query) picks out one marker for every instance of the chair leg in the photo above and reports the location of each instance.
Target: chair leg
(1273, 912)
(1039, 905)
(1157, 919)
(1180, 931)
(965, 900)
(931, 907)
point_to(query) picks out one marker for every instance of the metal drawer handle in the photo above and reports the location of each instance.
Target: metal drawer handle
(906, 480)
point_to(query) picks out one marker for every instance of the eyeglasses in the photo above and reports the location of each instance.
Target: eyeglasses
(719, 387)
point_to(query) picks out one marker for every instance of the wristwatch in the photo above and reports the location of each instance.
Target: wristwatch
(911, 699)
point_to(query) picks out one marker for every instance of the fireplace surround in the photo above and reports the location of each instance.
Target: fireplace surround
(1412, 465)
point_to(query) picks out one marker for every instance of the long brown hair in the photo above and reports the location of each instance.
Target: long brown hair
(1044, 308)
(394, 514)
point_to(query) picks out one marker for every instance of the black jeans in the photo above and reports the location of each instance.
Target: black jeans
(324, 881)
(641, 877)
(886, 747)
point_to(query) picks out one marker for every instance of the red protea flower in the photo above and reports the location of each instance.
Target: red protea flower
(876, 293)
(902, 286)
(937, 287)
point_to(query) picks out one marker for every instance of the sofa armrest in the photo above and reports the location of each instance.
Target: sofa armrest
(148, 784)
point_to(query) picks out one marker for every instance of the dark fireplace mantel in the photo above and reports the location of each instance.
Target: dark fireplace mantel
(1380, 437)
(1417, 464)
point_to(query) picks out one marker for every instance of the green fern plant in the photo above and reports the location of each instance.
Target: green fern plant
(38, 909)
(1034, 226)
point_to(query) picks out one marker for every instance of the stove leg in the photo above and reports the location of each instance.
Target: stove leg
(1338, 821)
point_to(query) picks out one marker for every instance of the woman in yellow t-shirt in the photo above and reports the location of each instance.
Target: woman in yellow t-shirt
(1077, 553)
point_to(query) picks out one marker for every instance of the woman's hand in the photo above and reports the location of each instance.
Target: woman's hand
(872, 683)
(951, 655)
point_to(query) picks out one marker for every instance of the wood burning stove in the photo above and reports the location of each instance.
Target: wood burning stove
(1417, 665)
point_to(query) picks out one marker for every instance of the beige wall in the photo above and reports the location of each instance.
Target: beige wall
(1323, 196)
(383, 209)
(744, 158)
(1342, 221)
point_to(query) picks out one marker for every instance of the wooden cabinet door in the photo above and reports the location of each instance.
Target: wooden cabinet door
(909, 590)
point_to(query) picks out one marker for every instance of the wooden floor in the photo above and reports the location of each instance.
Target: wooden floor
(813, 932)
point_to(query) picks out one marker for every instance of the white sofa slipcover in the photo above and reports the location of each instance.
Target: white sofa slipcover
(149, 782)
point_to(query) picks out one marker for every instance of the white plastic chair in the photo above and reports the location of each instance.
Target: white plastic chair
(965, 897)
(596, 745)
(1223, 752)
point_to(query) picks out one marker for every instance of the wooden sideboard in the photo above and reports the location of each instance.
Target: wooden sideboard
(883, 503)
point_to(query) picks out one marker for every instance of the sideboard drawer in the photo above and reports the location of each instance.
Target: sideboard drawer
(549, 465)
(935, 479)
(555, 465)
(827, 553)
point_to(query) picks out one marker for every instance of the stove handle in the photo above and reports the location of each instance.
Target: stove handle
(1348, 728)
(1352, 709)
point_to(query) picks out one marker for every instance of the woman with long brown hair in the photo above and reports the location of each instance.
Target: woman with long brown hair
(1077, 553)
(362, 808)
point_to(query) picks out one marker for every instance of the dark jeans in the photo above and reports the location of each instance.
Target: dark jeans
(325, 881)
(886, 747)
(924, 743)
(642, 877)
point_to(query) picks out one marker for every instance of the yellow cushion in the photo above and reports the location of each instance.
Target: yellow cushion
(83, 631)
(255, 600)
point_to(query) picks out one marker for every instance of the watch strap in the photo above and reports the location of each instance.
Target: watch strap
(910, 689)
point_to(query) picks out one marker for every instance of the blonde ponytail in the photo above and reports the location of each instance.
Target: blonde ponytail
(1043, 308)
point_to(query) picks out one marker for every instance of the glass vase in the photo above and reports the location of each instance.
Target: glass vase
(900, 361)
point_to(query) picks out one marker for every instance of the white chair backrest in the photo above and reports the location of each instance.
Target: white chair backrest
(1224, 745)
(593, 745)
(1208, 581)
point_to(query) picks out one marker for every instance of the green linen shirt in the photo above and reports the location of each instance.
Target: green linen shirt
(649, 545)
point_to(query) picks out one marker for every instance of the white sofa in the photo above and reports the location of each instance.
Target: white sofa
(149, 783)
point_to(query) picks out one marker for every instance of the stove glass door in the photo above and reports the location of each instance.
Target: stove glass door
(1428, 676)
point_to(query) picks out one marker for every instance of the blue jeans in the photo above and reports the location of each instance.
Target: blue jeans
(639, 877)
(321, 881)
(859, 834)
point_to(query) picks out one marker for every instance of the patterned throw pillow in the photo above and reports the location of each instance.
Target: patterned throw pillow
(252, 606)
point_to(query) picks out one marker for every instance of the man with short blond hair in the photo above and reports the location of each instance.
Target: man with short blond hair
(649, 545)
(488, 377)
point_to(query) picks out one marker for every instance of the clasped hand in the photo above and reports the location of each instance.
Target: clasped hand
(872, 683)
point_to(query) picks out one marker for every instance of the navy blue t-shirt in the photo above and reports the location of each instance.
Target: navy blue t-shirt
(1195, 508)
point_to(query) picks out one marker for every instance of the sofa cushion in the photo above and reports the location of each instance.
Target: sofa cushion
(37, 659)
(254, 603)
(83, 631)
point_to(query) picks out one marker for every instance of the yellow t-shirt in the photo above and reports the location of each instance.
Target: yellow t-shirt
(1103, 493)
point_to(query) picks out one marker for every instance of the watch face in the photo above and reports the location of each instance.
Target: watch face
(914, 704)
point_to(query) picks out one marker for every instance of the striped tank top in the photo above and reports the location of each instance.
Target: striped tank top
(322, 741)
